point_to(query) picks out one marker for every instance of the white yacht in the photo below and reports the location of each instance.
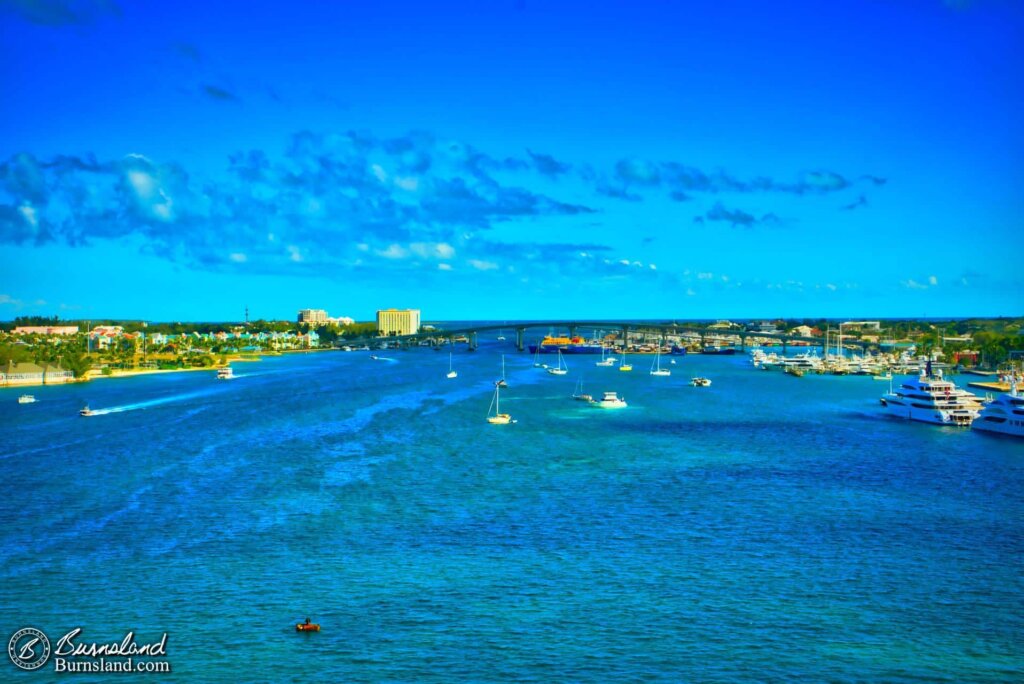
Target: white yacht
(26, 399)
(610, 400)
(1004, 414)
(930, 399)
(700, 382)
(225, 373)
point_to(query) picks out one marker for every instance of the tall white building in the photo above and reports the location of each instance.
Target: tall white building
(313, 316)
(398, 322)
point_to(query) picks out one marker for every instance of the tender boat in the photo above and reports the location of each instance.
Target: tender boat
(610, 400)
(1004, 414)
(86, 411)
(26, 399)
(700, 382)
(225, 373)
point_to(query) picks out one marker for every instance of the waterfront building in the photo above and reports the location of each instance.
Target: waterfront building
(14, 374)
(398, 321)
(313, 316)
(863, 325)
(46, 330)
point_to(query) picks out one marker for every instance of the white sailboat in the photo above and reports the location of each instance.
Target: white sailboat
(536, 357)
(562, 369)
(605, 359)
(452, 373)
(498, 418)
(656, 368)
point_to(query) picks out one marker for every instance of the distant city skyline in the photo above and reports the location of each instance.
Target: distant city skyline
(511, 161)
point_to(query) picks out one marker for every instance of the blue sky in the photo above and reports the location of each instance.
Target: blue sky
(180, 161)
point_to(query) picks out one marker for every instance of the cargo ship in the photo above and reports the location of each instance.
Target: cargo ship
(567, 345)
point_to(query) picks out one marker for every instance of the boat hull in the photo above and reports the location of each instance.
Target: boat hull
(566, 348)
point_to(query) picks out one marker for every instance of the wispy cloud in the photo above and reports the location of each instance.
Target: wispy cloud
(736, 217)
(219, 94)
(61, 12)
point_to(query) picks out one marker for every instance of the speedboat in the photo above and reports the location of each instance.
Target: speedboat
(87, 411)
(1004, 414)
(26, 399)
(610, 400)
(700, 382)
(225, 373)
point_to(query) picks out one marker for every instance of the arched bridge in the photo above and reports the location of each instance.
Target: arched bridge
(624, 328)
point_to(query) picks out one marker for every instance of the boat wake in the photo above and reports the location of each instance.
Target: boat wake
(151, 403)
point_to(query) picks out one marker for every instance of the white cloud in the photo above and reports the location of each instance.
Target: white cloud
(410, 183)
(294, 253)
(690, 292)
(271, 237)
(653, 267)
(9, 300)
(444, 267)
(483, 265)
(379, 172)
(914, 285)
(363, 247)
(932, 280)
(432, 250)
(624, 262)
(831, 286)
(28, 212)
(725, 279)
(238, 257)
(705, 276)
(394, 252)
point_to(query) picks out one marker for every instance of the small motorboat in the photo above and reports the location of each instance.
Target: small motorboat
(700, 382)
(26, 399)
(225, 373)
(87, 411)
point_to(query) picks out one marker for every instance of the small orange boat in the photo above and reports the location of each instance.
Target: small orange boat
(307, 627)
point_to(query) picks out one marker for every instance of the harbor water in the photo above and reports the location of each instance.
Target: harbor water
(765, 528)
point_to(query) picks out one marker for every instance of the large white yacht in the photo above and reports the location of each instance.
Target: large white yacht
(1004, 414)
(930, 399)
(610, 400)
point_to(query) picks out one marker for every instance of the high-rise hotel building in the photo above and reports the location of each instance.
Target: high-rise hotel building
(313, 316)
(398, 322)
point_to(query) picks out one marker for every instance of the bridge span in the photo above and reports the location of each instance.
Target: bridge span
(625, 328)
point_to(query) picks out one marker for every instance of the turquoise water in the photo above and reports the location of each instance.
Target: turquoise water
(765, 528)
